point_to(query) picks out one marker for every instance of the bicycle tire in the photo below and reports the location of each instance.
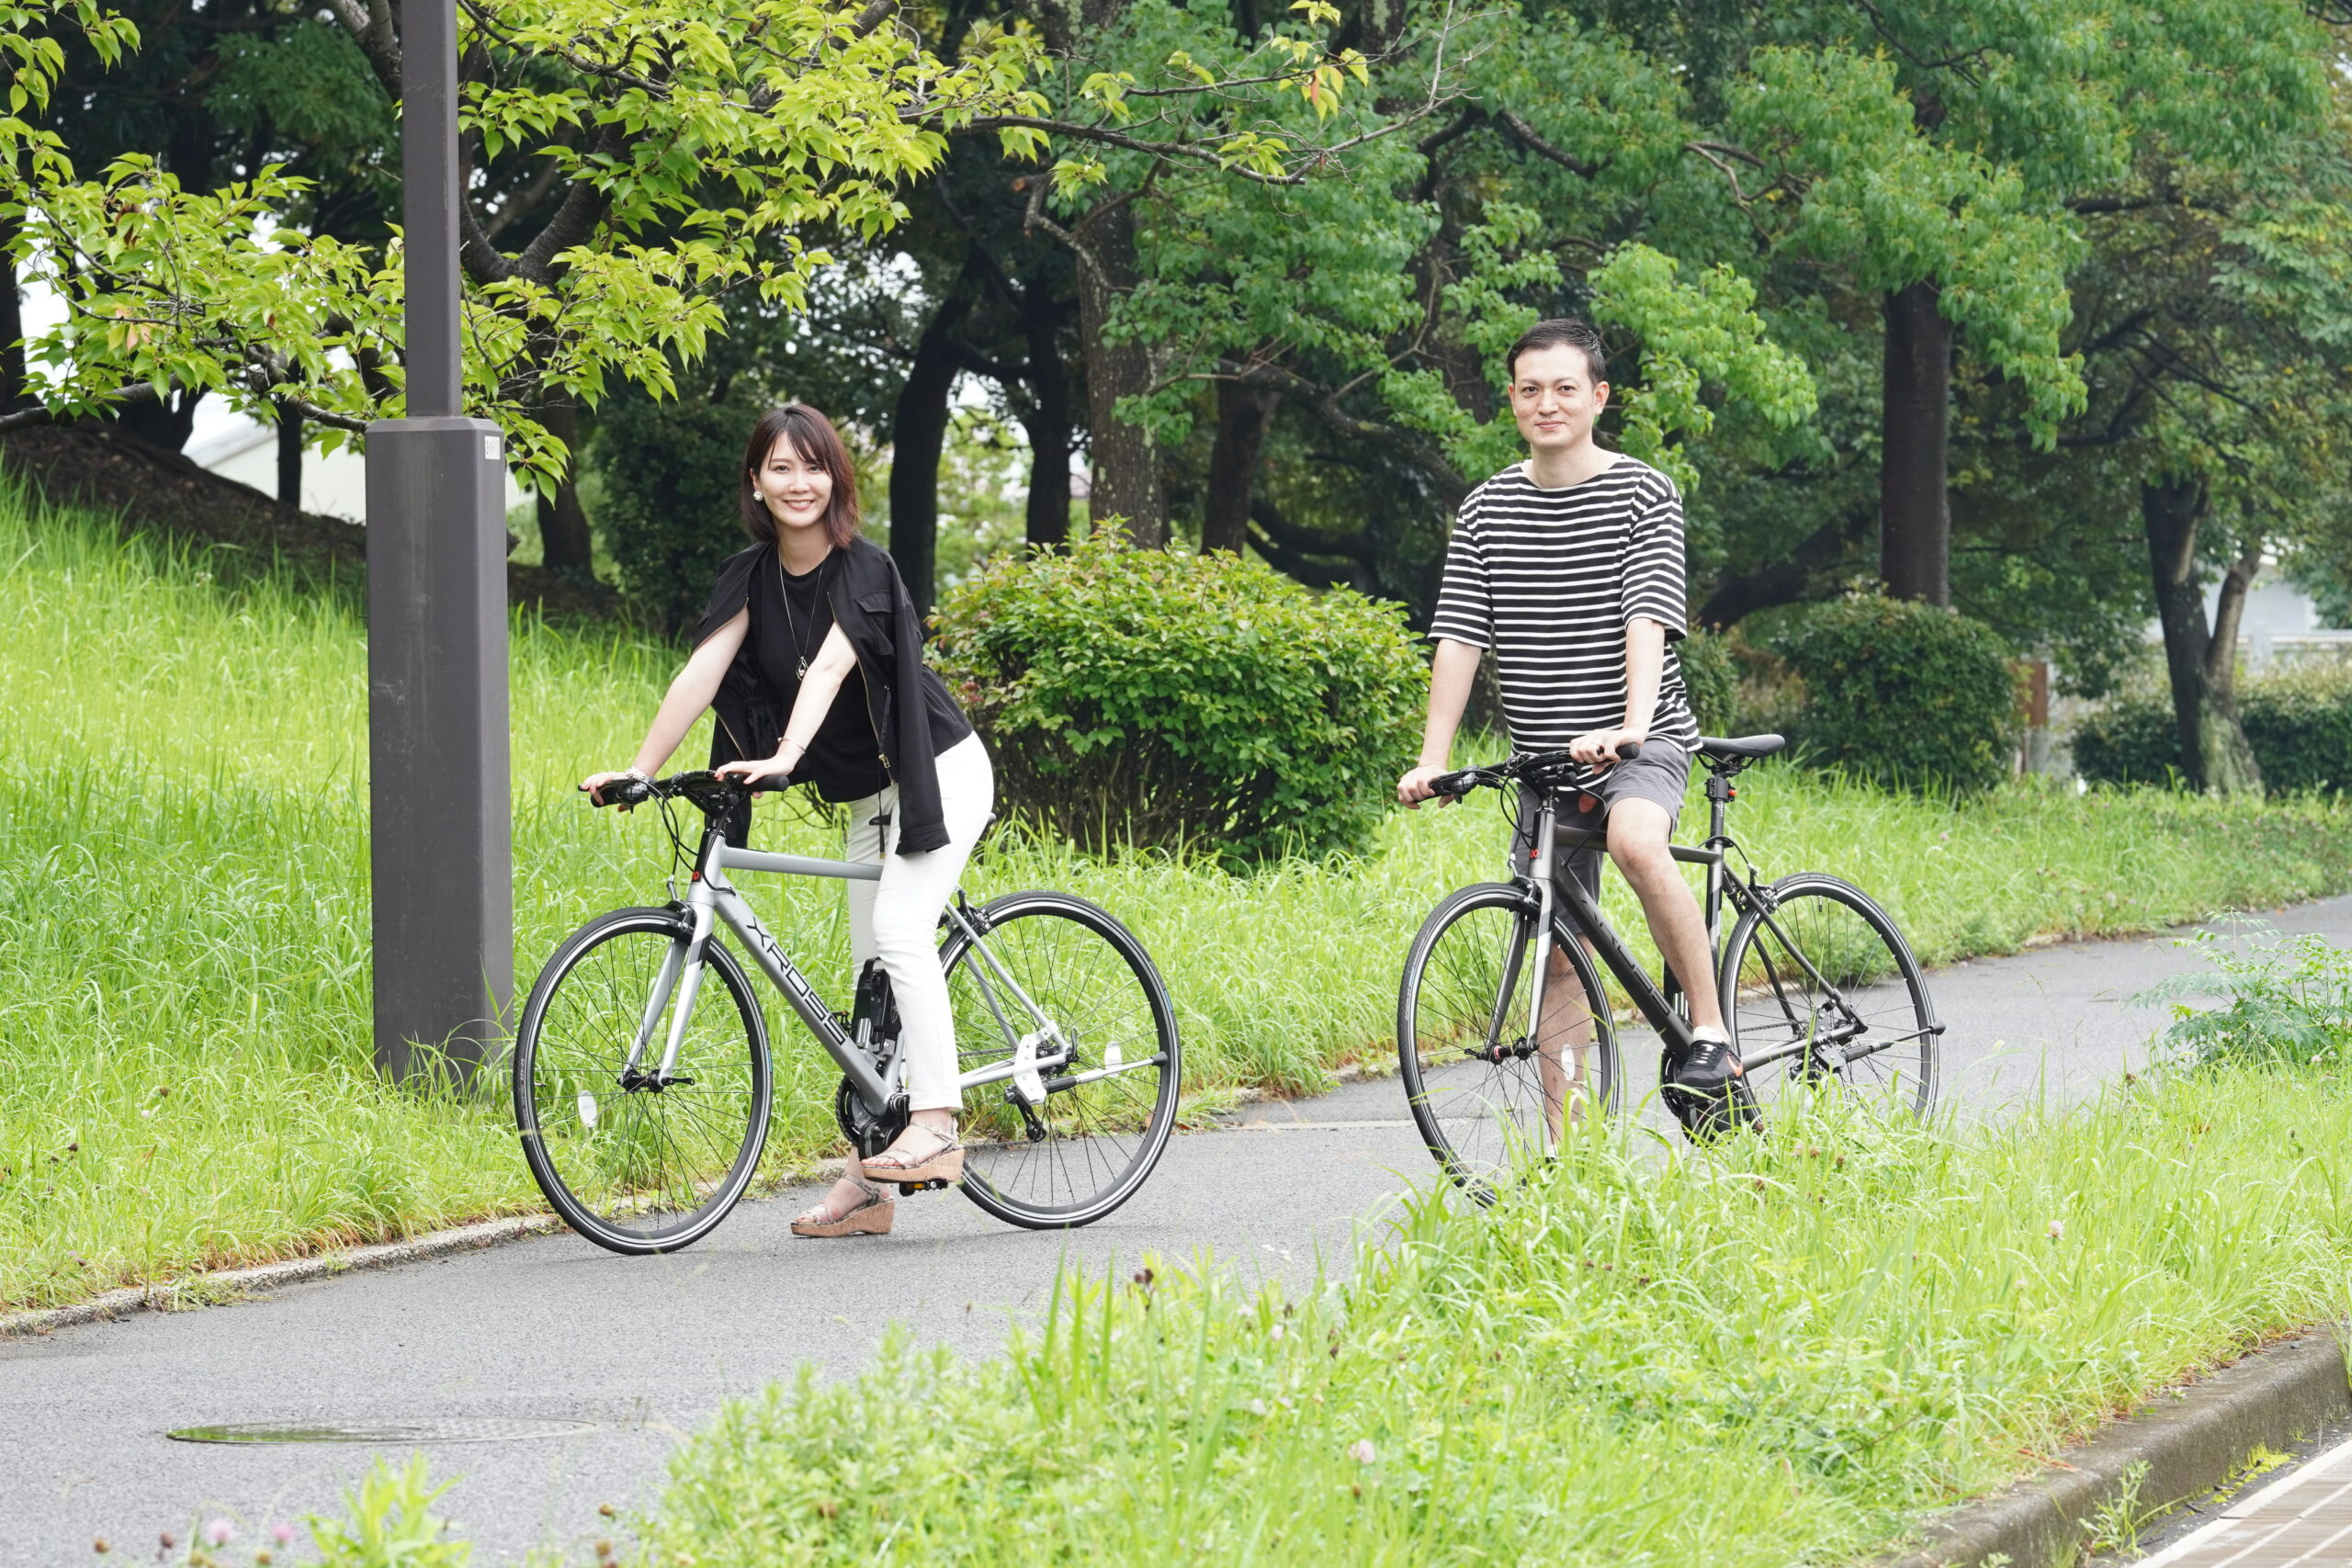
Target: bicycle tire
(1091, 976)
(664, 1171)
(1775, 1008)
(1476, 988)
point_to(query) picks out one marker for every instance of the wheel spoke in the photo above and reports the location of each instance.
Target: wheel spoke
(1472, 1074)
(640, 1169)
(1827, 989)
(1101, 1138)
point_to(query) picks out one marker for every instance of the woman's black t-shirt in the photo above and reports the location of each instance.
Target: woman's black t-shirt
(843, 761)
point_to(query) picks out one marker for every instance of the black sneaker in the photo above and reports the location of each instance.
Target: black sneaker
(1704, 1091)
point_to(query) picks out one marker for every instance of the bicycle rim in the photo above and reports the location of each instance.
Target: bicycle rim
(1089, 1146)
(1475, 1082)
(1826, 999)
(641, 1168)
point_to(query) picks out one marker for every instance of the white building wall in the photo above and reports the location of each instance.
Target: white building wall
(333, 485)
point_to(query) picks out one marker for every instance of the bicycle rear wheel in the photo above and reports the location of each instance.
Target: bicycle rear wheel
(1473, 1076)
(1825, 997)
(638, 1161)
(1065, 1145)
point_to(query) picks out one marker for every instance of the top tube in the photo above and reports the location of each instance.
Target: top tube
(730, 858)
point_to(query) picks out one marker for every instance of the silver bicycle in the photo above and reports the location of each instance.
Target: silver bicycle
(643, 1102)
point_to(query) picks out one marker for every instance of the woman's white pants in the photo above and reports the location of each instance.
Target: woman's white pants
(897, 919)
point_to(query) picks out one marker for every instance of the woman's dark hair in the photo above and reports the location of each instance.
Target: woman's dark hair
(1560, 333)
(813, 437)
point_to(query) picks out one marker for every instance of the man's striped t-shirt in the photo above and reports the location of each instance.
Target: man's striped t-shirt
(1548, 580)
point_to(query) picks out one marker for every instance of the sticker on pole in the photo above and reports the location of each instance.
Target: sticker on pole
(490, 447)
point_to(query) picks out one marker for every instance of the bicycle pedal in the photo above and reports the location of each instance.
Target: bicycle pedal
(911, 1188)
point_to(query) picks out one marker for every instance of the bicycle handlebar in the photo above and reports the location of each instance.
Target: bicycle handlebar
(1463, 781)
(701, 786)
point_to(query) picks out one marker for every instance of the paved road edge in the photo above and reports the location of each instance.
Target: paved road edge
(2192, 1437)
(222, 1284)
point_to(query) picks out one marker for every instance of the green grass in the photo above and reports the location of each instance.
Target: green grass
(1787, 1351)
(184, 1069)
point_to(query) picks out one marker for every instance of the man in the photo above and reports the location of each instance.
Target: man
(1568, 567)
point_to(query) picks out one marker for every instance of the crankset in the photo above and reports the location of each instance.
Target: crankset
(874, 1026)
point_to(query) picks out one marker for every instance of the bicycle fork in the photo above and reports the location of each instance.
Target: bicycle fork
(683, 961)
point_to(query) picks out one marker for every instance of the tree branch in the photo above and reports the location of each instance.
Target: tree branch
(1527, 136)
(1785, 582)
(40, 414)
(1324, 402)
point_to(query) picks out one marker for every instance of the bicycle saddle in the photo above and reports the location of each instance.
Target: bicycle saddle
(1748, 747)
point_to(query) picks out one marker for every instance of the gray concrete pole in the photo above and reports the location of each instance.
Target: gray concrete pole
(441, 827)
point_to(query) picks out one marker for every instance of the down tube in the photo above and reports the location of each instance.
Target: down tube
(1638, 986)
(802, 995)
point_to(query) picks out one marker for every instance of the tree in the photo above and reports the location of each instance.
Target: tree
(631, 169)
(221, 93)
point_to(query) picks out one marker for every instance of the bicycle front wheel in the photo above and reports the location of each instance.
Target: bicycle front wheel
(1484, 1091)
(1823, 995)
(1064, 1145)
(635, 1158)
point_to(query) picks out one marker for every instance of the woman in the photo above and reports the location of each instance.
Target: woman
(813, 625)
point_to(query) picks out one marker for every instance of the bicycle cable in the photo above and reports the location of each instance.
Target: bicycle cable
(679, 859)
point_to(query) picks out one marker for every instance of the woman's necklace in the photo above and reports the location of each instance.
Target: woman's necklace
(792, 622)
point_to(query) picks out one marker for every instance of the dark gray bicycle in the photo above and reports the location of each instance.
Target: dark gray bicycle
(1820, 992)
(642, 1100)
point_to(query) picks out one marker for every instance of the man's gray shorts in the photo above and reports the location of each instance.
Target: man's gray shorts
(1659, 773)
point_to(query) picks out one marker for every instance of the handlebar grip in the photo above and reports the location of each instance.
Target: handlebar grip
(1629, 750)
(620, 792)
(1457, 783)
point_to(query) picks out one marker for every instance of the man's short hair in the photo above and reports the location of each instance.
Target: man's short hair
(1560, 333)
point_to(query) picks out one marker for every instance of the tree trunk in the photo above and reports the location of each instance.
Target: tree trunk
(289, 457)
(2202, 665)
(564, 540)
(12, 324)
(918, 437)
(1244, 413)
(1125, 458)
(1050, 421)
(165, 424)
(1915, 505)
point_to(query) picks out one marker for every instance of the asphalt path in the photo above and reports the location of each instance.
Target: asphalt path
(644, 1349)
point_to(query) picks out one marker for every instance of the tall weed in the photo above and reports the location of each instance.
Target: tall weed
(2285, 998)
(1785, 1350)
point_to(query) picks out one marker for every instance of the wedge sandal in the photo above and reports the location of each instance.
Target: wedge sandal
(907, 1168)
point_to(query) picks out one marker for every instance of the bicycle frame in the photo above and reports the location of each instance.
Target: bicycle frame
(1586, 916)
(712, 900)
(1645, 992)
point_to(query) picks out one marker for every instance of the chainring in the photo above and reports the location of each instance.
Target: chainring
(869, 1132)
(1703, 1117)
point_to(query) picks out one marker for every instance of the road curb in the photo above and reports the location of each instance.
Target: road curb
(2192, 1438)
(220, 1285)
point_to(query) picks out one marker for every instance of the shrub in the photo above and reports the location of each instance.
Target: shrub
(1711, 677)
(2131, 739)
(1144, 697)
(1903, 694)
(669, 517)
(2299, 721)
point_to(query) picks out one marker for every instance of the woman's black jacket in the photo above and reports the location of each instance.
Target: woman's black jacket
(871, 605)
